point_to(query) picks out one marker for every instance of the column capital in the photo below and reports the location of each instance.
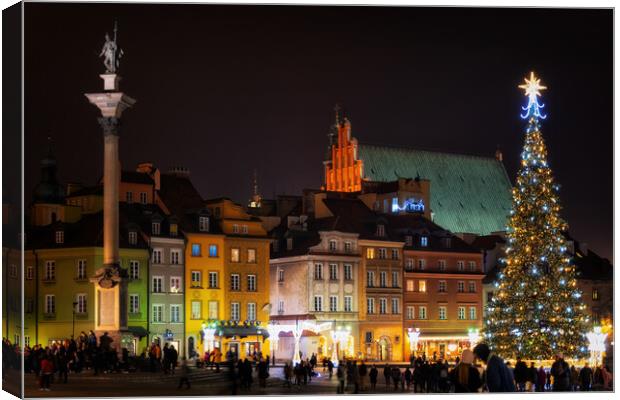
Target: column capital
(109, 125)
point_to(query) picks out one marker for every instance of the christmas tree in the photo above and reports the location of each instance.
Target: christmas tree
(536, 311)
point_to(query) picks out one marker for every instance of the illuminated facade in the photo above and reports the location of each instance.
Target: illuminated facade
(343, 170)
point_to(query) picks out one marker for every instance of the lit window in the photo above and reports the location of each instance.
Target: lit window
(442, 312)
(422, 286)
(195, 249)
(251, 283)
(424, 241)
(175, 284)
(196, 279)
(472, 312)
(196, 309)
(213, 310)
(134, 304)
(370, 253)
(234, 311)
(251, 312)
(212, 250)
(174, 230)
(595, 295)
(234, 255)
(251, 256)
(410, 285)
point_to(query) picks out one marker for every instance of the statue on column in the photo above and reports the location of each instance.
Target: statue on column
(111, 59)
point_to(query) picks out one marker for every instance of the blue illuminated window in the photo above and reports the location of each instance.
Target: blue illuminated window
(212, 250)
(195, 250)
(424, 241)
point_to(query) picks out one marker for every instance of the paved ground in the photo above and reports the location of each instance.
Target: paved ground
(149, 384)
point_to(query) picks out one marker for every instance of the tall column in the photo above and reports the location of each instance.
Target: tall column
(111, 181)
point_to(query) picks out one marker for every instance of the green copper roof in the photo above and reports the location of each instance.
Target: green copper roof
(469, 194)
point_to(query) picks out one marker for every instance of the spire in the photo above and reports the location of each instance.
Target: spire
(256, 200)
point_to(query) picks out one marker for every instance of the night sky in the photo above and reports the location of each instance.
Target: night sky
(222, 90)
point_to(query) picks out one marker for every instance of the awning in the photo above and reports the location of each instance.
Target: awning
(138, 331)
(241, 331)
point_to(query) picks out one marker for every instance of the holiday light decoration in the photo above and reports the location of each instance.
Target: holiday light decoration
(537, 310)
(414, 338)
(596, 345)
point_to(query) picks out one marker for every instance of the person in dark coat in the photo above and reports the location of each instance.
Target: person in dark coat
(498, 377)
(520, 374)
(396, 377)
(408, 375)
(465, 376)
(561, 374)
(363, 372)
(387, 373)
(263, 372)
(541, 379)
(374, 372)
(585, 378)
(532, 375)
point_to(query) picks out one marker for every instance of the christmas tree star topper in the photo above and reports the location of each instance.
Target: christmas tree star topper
(532, 86)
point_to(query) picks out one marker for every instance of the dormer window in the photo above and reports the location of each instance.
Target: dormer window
(244, 229)
(174, 230)
(203, 224)
(235, 228)
(276, 246)
(447, 242)
(60, 237)
(424, 241)
(333, 245)
(156, 228)
(289, 243)
(381, 230)
(133, 237)
(409, 240)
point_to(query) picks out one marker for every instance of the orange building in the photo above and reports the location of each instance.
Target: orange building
(343, 171)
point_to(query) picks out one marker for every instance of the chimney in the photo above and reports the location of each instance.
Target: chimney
(145, 167)
(179, 171)
(498, 155)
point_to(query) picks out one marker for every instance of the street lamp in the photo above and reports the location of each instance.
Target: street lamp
(73, 321)
(274, 336)
(596, 345)
(414, 337)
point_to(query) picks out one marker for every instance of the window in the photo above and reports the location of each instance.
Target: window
(212, 250)
(280, 306)
(81, 269)
(175, 313)
(348, 272)
(370, 253)
(251, 256)
(251, 312)
(472, 287)
(424, 241)
(213, 284)
(157, 259)
(234, 282)
(30, 272)
(442, 286)
(217, 212)
(174, 229)
(422, 286)
(29, 305)
(203, 224)
(134, 269)
(318, 271)
(370, 278)
(382, 253)
(381, 230)
(442, 312)
(348, 247)
(409, 264)
(156, 228)
(289, 243)
(175, 284)
(196, 250)
(50, 270)
(447, 242)
(333, 303)
(133, 237)
(460, 265)
(368, 337)
(472, 312)
(333, 245)
(26, 340)
(158, 313)
(333, 272)
(395, 306)
(318, 303)
(395, 279)
(196, 279)
(129, 197)
(442, 265)
(410, 312)
(382, 279)
(382, 306)
(472, 266)
(408, 240)
(235, 228)
(175, 257)
(196, 309)
(143, 199)
(60, 237)
(348, 303)
(280, 275)
(370, 305)
(394, 254)
(134, 304)
(234, 255)
(251, 283)
(460, 286)
(461, 313)
(244, 229)
(421, 264)
(213, 310)
(50, 304)
(595, 295)
(422, 312)
(158, 284)
(80, 307)
(410, 285)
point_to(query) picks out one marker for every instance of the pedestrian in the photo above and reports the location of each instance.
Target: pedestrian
(465, 376)
(184, 374)
(63, 366)
(330, 368)
(520, 374)
(395, 377)
(607, 378)
(585, 378)
(356, 378)
(263, 372)
(561, 374)
(532, 375)
(408, 375)
(288, 374)
(541, 379)
(387, 373)
(373, 377)
(363, 372)
(574, 378)
(498, 377)
(341, 374)
(47, 370)
(174, 355)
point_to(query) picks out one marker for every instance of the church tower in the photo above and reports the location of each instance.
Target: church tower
(343, 171)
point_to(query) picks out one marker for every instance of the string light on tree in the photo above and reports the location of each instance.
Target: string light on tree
(537, 310)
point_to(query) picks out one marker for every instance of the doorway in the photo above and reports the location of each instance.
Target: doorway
(384, 348)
